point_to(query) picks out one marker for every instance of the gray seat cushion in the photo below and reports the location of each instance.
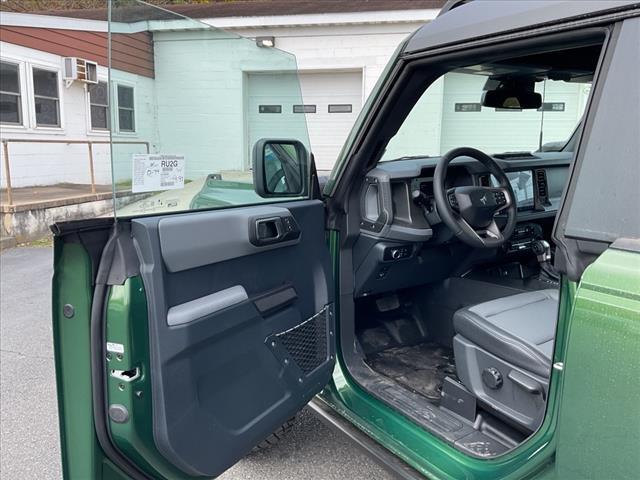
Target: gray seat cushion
(519, 329)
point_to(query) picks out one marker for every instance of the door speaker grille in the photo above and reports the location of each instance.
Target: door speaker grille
(307, 343)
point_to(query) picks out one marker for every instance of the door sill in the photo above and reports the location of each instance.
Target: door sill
(377, 452)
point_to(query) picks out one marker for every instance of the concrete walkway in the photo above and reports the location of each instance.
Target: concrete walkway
(46, 195)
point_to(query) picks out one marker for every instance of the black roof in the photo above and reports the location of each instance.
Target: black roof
(483, 18)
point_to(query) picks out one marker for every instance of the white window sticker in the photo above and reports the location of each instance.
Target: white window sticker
(156, 172)
(115, 347)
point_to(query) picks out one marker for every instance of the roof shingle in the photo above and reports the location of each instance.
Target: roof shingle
(258, 8)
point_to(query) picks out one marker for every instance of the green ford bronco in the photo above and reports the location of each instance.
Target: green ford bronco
(461, 296)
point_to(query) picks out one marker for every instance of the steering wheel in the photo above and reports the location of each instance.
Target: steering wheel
(469, 211)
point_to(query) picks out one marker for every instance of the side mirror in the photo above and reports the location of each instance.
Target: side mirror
(280, 168)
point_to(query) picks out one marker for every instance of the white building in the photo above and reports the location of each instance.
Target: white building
(340, 49)
(180, 87)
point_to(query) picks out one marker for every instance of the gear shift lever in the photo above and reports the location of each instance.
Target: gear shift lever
(542, 250)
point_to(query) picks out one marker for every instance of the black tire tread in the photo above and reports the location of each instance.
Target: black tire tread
(276, 436)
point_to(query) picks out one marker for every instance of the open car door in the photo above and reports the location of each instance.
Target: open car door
(204, 341)
(187, 334)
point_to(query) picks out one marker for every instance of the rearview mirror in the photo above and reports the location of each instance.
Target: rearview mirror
(280, 168)
(512, 94)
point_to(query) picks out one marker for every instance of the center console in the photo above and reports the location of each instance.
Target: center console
(523, 237)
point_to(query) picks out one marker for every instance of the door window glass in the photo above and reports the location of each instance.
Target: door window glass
(188, 116)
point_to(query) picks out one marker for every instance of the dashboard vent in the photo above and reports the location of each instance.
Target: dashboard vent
(541, 186)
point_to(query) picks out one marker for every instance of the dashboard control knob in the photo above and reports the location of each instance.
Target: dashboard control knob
(418, 197)
(396, 253)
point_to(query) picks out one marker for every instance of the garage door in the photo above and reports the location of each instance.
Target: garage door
(466, 122)
(330, 103)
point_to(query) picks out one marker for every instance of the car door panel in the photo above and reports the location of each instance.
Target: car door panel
(238, 332)
(232, 230)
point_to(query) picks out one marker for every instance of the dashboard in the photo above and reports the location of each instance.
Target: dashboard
(397, 200)
(401, 235)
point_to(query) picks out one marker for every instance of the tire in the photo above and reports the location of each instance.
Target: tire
(276, 436)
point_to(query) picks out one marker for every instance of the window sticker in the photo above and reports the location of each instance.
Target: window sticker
(157, 172)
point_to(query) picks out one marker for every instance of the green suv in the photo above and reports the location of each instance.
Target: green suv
(461, 296)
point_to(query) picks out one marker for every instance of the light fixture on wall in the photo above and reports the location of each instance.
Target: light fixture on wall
(266, 42)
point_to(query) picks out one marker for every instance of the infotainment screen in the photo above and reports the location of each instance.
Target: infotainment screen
(522, 185)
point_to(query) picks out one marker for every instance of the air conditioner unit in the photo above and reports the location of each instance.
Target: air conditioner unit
(79, 69)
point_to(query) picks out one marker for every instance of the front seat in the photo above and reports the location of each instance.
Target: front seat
(503, 350)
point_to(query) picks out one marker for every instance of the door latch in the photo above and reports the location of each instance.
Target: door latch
(126, 375)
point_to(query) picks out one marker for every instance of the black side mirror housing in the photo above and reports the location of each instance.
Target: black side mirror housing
(281, 168)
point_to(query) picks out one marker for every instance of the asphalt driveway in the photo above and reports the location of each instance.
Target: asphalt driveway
(29, 447)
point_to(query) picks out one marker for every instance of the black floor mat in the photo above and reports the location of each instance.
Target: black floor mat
(420, 368)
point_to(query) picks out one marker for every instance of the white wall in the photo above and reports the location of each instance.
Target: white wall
(49, 163)
(335, 47)
(171, 111)
(499, 131)
(200, 77)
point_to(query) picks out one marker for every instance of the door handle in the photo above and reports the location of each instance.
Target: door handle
(269, 229)
(266, 231)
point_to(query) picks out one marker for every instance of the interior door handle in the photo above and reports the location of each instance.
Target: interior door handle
(269, 230)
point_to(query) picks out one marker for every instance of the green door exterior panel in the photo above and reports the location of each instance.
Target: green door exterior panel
(82, 457)
(599, 423)
(127, 325)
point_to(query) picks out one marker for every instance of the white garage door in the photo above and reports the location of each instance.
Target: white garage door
(330, 102)
(466, 122)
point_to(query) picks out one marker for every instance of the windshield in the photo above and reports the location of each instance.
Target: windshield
(450, 114)
(188, 103)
